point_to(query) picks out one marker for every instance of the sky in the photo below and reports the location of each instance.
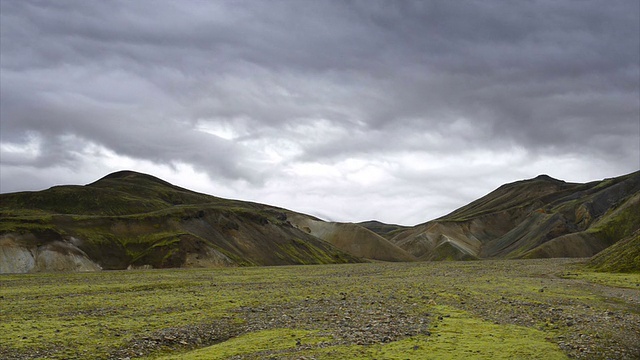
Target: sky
(400, 111)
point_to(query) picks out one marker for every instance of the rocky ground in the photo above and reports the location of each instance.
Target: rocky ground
(382, 303)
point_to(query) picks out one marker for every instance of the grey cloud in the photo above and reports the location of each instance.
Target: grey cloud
(386, 77)
(128, 130)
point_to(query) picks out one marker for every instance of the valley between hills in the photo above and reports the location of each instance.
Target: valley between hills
(537, 269)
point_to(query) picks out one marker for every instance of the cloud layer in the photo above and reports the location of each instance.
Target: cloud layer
(400, 111)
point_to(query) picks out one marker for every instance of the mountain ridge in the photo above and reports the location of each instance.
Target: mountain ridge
(129, 219)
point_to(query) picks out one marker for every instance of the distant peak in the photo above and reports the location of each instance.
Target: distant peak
(131, 175)
(376, 222)
(545, 177)
(124, 174)
(542, 178)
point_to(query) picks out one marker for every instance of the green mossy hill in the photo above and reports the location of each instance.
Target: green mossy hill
(121, 193)
(539, 217)
(128, 219)
(623, 256)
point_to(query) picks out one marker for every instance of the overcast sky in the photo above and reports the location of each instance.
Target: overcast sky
(399, 111)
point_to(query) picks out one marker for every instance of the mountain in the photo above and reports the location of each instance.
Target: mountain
(129, 219)
(535, 218)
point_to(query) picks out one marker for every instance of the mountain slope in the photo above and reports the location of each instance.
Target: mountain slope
(623, 256)
(128, 219)
(540, 217)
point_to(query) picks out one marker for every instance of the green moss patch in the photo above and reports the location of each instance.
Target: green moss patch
(255, 345)
(623, 280)
(457, 335)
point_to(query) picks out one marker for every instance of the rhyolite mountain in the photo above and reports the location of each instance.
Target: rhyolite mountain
(536, 218)
(129, 219)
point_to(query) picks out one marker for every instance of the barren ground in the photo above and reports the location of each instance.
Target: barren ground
(482, 309)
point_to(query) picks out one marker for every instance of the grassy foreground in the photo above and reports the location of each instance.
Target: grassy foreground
(530, 309)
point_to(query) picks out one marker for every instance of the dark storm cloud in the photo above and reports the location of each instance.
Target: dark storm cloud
(223, 86)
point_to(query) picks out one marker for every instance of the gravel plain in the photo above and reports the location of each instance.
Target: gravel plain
(380, 303)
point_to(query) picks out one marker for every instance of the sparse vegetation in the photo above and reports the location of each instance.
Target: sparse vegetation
(546, 309)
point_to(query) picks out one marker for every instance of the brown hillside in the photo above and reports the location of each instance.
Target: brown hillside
(352, 239)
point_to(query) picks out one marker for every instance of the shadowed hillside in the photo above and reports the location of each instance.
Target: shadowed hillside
(536, 218)
(623, 256)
